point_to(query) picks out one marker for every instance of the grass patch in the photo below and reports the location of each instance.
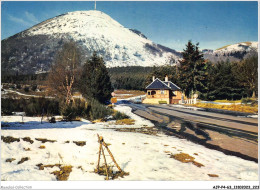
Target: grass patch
(183, 157)
(143, 130)
(113, 175)
(27, 149)
(23, 160)
(63, 174)
(80, 143)
(45, 140)
(41, 166)
(196, 154)
(186, 158)
(10, 160)
(233, 107)
(28, 139)
(162, 102)
(42, 147)
(9, 139)
(228, 101)
(213, 175)
(197, 164)
(125, 122)
(67, 142)
(98, 121)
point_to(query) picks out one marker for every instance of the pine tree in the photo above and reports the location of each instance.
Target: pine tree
(223, 83)
(95, 81)
(191, 72)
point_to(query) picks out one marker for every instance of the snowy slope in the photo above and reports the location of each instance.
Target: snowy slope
(145, 157)
(97, 31)
(244, 46)
(234, 52)
(92, 31)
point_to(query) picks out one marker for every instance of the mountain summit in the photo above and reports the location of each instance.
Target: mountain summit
(33, 50)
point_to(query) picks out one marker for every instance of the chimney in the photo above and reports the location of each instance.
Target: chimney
(168, 84)
(166, 78)
(153, 78)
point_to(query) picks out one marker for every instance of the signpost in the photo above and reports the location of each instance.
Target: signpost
(113, 99)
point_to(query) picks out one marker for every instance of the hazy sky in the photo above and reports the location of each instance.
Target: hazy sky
(212, 24)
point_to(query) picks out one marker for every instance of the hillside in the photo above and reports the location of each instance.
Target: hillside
(33, 50)
(234, 52)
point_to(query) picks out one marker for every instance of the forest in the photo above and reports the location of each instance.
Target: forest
(194, 74)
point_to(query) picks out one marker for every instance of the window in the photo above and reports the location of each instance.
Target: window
(149, 93)
(162, 91)
(153, 92)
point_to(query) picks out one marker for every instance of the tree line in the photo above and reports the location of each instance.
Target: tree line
(224, 80)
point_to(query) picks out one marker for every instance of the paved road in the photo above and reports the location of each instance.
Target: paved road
(229, 134)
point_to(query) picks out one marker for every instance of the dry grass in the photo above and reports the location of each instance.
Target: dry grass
(41, 166)
(125, 122)
(212, 175)
(63, 174)
(45, 140)
(228, 101)
(80, 143)
(42, 147)
(10, 160)
(9, 139)
(183, 157)
(197, 164)
(98, 121)
(27, 149)
(28, 139)
(233, 107)
(186, 158)
(111, 173)
(23, 160)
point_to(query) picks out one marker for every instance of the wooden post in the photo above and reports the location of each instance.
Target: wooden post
(99, 152)
(105, 161)
(112, 156)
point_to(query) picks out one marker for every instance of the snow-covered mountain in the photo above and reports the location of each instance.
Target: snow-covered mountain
(234, 52)
(33, 50)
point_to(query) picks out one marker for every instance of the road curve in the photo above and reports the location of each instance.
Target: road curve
(230, 134)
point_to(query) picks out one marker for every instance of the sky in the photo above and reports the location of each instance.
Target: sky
(212, 24)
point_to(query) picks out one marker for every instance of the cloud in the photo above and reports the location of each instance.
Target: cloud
(31, 17)
(28, 20)
(19, 20)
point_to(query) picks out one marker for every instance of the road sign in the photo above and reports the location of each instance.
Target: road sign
(113, 100)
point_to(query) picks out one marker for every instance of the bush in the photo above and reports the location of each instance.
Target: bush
(26, 89)
(34, 87)
(75, 109)
(31, 106)
(18, 86)
(98, 110)
(119, 115)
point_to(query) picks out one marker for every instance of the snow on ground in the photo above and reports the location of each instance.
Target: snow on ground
(145, 157)
(187, 107)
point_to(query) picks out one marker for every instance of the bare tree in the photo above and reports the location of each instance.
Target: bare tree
(64, 71)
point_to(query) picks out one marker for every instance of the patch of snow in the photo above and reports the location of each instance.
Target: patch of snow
(145, 157)
(187, 107)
